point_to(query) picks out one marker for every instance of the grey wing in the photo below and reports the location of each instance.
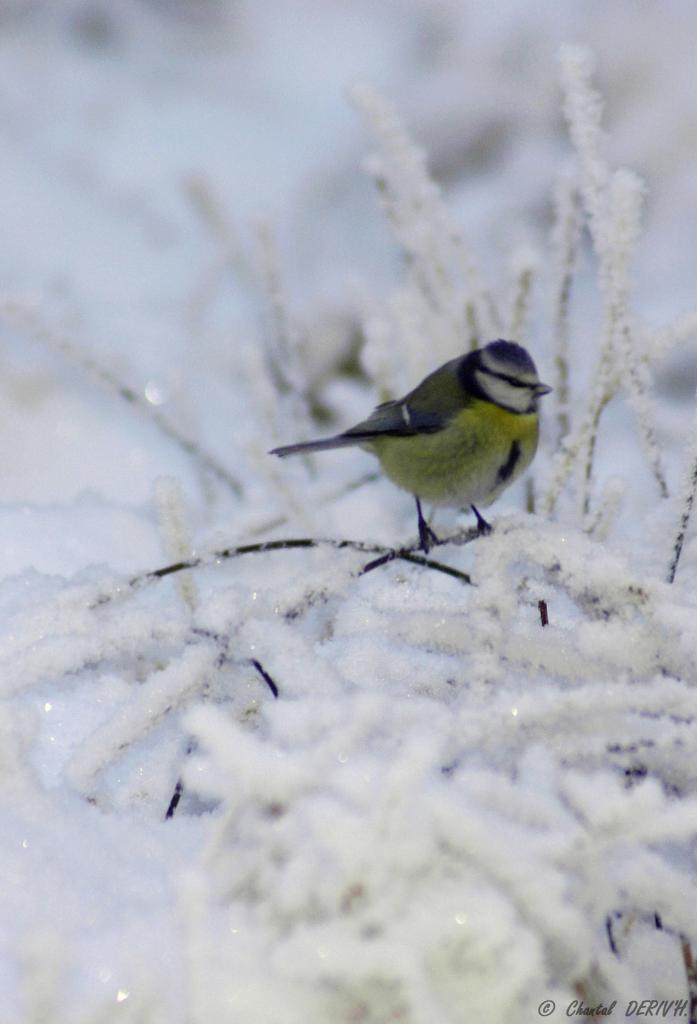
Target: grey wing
(425, 410)
(392, 418)
(399, 418)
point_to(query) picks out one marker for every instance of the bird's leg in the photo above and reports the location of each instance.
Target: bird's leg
(426, 535)
(482, 526)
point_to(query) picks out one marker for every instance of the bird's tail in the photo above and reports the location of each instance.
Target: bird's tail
(338, 441)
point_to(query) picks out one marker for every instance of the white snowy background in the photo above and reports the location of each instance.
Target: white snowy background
(448, 812)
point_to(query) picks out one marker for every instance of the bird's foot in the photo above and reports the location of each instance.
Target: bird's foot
(482, 526)
(427, 537)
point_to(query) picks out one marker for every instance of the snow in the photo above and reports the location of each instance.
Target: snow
(403, 798)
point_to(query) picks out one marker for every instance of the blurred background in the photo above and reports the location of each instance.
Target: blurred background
(143, 142)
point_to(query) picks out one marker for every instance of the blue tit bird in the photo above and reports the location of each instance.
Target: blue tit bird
(463, 435)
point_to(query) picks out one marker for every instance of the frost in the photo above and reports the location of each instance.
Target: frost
(445, 279)
(261, 759)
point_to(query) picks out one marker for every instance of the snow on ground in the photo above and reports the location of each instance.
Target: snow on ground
(402, 798)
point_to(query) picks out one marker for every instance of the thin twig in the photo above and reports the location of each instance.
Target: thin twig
(406, 555)
(688, 501)
(174, 801)
(290, 544)
(179, 787)
(691, 974)
(265, 676)
(594, 415)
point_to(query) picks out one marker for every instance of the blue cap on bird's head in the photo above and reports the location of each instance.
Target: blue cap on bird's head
(501, 356)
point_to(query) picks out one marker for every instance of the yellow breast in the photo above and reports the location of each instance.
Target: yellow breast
(483, 449)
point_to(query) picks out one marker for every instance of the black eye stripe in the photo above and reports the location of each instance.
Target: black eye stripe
(513, 381)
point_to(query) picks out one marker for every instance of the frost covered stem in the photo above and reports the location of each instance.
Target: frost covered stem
(281, 339)
(688, 501)
(565, 236)
(175, 534)
(525, 267)
(441, 265)
(521, 301)
(595, 415)
(583, 108)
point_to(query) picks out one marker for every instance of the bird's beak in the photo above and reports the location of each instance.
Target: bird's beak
(542, 389)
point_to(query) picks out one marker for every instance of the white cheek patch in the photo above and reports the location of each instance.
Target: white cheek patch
(519, 399)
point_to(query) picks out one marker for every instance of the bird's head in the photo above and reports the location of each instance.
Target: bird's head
(503, 372)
